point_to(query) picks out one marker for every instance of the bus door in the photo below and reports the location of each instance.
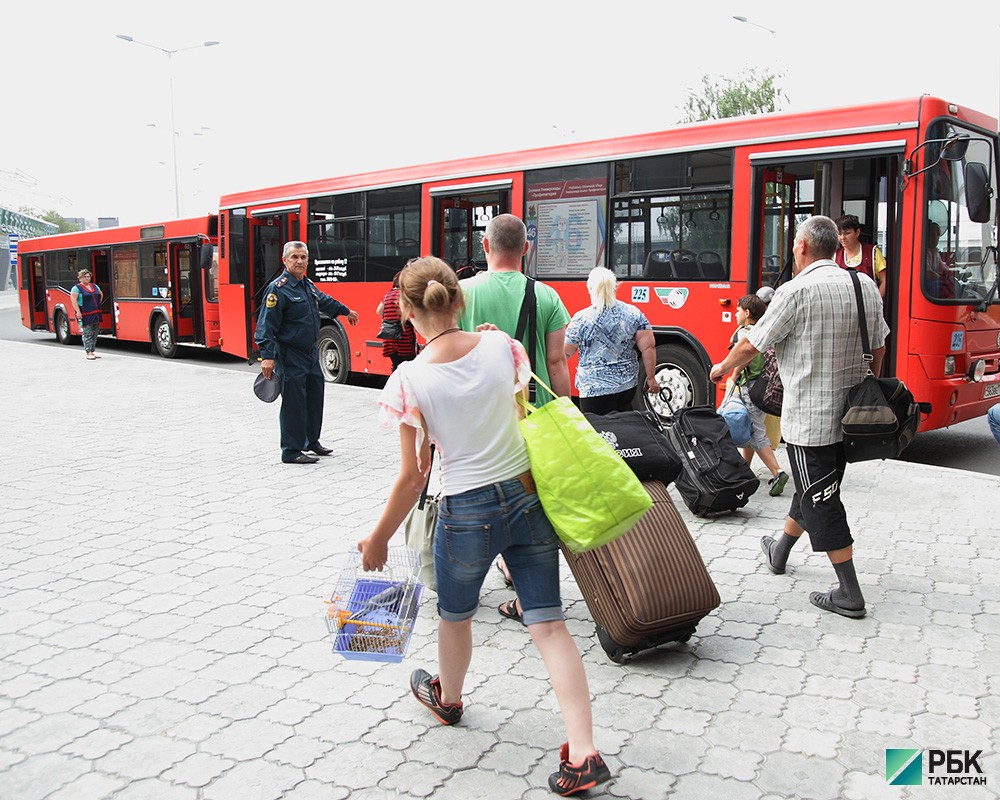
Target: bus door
(776, 230)
(459, 214)
(33, 313)
(185, 283)
(208, 285)
(271, 229)
(455, 232)
(100, 268)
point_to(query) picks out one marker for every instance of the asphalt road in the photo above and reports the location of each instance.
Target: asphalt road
(967, 446)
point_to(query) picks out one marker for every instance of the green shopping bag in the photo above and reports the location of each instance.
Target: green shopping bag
(589, 494)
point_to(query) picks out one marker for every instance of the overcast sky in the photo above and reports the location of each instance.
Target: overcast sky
(306, 89)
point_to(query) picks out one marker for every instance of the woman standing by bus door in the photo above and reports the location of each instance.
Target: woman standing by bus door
(866, 258)
(86, 298)
(404, 348)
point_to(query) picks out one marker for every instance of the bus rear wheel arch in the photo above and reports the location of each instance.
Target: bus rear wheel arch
(683, 380)
(60, 326)
(162, 335)
(334, 354)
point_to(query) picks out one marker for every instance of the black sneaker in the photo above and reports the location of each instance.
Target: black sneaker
(572, 778)
(427, 689)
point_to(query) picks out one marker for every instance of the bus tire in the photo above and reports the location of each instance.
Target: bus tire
(683, 382)
(60, 324)
(163, 337)
(334, 354)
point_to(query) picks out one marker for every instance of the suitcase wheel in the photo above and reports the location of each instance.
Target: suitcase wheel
(619, 653)
(614, 650)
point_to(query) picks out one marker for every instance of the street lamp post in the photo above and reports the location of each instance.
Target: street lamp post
(173, 126)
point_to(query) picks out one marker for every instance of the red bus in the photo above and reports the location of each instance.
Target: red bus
(689, 219)
(159, 282)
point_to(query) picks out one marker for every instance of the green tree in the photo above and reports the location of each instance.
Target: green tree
(753, 91)
(57, 219)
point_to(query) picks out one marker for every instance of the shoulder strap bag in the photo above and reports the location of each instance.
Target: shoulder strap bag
(767, 392)
(881, 418)
(528, 318)
(589, 494)
(418, 530)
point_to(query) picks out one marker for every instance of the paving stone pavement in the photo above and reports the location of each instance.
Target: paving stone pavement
(161, 622)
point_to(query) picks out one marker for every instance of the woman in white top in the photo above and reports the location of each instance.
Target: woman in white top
(460, 393)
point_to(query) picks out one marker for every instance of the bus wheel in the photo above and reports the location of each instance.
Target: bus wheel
(682, 378)
(334, 355)
(61, 324)
(163, 337)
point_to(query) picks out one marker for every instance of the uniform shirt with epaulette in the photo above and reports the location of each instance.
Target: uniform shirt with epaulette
(290, 315)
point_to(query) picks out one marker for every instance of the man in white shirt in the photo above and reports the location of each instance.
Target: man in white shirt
(812, 323)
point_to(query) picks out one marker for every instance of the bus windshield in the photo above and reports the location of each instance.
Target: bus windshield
(959, 258)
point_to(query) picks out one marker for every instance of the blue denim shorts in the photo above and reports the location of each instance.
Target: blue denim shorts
(476, 526)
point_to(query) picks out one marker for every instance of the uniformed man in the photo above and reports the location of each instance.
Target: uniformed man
(287, 330)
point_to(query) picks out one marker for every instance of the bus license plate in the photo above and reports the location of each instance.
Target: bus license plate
(992, 390)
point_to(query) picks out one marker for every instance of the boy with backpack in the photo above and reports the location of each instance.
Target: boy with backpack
(749, 310)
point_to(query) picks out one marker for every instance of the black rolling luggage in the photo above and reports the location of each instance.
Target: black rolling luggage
(715, 479)
(640, 440)
(647, 587)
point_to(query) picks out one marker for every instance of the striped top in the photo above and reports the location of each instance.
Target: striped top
(812, 323)
(407, 346)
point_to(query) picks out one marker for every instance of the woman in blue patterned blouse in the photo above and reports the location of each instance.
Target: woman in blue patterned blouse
(610, 335)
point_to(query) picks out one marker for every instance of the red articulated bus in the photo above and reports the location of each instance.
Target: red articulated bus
(159, 282)
(689, 219)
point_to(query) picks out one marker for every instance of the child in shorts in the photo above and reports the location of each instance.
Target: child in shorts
(749, 310)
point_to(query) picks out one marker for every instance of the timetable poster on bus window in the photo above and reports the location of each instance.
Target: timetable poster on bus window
(566, 227)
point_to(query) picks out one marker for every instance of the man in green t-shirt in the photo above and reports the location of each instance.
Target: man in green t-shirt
(495, 297)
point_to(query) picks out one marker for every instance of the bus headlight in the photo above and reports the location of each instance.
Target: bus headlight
(949, 365)
(977, 370)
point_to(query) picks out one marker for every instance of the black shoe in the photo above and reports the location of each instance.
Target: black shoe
(319, 450)
(571, 778)
(767, 543)
(427, 689)
(508, 609)
(301, 458)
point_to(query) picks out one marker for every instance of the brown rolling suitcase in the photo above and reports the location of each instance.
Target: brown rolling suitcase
(649, 586)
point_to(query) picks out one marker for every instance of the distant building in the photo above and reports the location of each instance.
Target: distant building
(107, 222)
(15, 226)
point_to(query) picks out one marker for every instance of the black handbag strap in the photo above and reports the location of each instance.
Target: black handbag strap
(527, 319)
(866, 346)
(423, 493)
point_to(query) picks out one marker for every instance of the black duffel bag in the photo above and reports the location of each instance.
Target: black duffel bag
(639, 439)
(882, 417)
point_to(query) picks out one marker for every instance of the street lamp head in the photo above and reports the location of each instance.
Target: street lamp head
(124, 38)
(755, 24)
(211, 44)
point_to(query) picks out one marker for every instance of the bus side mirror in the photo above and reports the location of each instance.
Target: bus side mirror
(955, 148)
(977, 192)
(205, 256)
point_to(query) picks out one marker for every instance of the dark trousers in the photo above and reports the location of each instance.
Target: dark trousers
(398, 359)
(302, 394)
(606, 403)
